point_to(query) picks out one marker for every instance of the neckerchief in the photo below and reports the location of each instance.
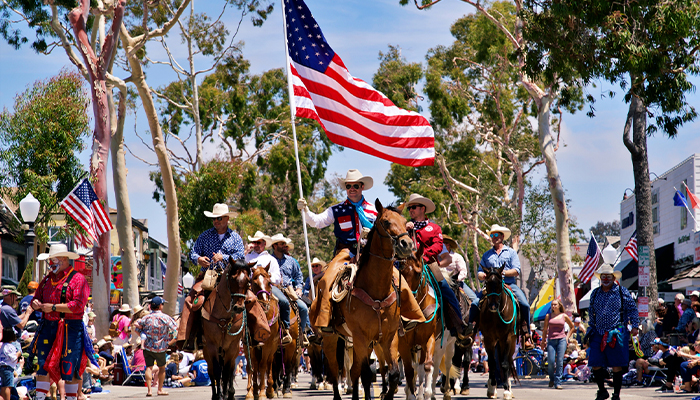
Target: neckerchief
(420, 224)
(364, 221)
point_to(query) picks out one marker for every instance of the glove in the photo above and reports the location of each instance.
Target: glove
(301, 204)
(364, 233)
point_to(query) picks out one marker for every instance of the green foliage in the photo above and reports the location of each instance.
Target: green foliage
(648, 47)
(25, 279)
(40, 139)
(397, 79)
(602, 229)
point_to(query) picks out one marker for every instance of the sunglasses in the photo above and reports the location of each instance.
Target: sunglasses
(494, 235)
(353, 186)
(260, 242)
(413, 207)
(218, 218)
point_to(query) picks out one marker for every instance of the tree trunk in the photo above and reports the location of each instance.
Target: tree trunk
(564, 275)
(96, 67)
(637, 146)
(121, 195)
(172, 219)
(195, 92)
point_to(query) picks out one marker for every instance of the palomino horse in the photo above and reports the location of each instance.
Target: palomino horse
(224, 321)
(371, 312)
(417, 345)
(498, 322)
(261, 357)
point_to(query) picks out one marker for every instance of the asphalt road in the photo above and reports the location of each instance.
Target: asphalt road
(529, 389)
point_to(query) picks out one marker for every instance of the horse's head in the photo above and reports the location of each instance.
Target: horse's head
(412, 267)
(391, 224)
(260, 282)
(238, 281)
(494, 288)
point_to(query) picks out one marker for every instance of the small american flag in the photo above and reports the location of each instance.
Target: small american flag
(352, 113)
(632, 247)
(591, 262)
(84, 206)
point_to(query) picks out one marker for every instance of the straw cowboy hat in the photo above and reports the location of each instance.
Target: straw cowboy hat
(260, 236)
(58, 250)
(607, 269)
(316, 261)
(354, 175)
(415, 198)
(103, 342)
(220, 210)
(453, 243)
(280, 238)
(137, 308)
(502, 229)
(125, 308)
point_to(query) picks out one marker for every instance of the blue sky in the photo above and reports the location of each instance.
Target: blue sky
(594, 165)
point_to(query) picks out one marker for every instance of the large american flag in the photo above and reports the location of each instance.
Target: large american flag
(352, 113)
(632, 247)
(591, 262)
(84, 206)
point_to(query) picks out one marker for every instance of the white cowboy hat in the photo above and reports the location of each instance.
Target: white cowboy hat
(102, 342)
(58, 250)
(280, 238)
(502, 229)
(258, 236)
(220, 210)
(316, 261)
(607, 269)
(125, 308)
(415, 198)
(354, 175)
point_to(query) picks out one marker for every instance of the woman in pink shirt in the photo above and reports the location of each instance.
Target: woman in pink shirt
(554, 336)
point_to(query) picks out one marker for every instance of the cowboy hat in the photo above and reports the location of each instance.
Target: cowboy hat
(260, 236)
(354, 175)
(125, 308)
(415, 198)
(453, 243)
(102, 342)
(502, 229)
(280, 238)
(220, 210)
(6, 292)
(316, 261)
(607, 269)
(91, 315)
(137, 308)
(58, 250)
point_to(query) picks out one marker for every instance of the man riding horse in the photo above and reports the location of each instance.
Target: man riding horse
(503, 256)
(428, 235)
(352, 219)
(214, 246)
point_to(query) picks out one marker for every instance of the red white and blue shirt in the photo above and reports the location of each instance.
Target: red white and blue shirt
(344, 219)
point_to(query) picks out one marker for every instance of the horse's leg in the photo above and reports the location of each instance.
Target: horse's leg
(331, 348)
(508, 367)
(360, 357)
(437, 360)
(408, 356)
(390, 348)
(466, 363)
(493, 369)
(210, 354)
(426, 371)
(449, 353)
(252, 387)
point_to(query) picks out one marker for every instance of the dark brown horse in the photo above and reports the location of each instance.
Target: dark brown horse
(371, 313)
(261, 357)
(224, 326)
(417, 345)
(498, 322)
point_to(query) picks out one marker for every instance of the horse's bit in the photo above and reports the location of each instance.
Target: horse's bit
(394, 242)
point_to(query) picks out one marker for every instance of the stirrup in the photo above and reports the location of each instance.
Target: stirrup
(286, 337)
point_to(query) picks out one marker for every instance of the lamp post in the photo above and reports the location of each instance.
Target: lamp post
(29, 208)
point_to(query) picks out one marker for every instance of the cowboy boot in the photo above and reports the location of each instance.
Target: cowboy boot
(257, 321)
(185, 327)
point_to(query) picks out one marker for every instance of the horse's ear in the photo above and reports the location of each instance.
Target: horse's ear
(267, 267)
(378, 205)
(251, 264)
(419, 252)
(500, 270)
(401, 207)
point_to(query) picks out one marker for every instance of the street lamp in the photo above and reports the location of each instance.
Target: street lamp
(609, 255)
(29, 208)
(188, 281)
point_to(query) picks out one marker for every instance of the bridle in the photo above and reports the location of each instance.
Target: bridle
(394, 242)
(498, 301)
(230, 309)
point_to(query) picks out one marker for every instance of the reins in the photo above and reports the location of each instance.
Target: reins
(515, 309)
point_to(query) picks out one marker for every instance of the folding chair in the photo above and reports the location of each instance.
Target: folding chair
(138, 376)
(656, 374)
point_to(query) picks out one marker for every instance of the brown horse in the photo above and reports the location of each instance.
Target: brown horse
(261, 357)
(371, 312)
(498, 321)
(224, 326)
(286, 360)
(417, 345)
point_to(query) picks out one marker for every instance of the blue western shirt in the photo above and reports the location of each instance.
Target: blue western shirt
(605, 309)
(507, 257)
(208, 244)
(685, 319)
(291, 272)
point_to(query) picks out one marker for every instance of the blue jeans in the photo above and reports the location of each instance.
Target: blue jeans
(245, 362)
(688, 372)
(304, 315)
(474, 306)
(284, 306)
(449, 296)
(555, 359)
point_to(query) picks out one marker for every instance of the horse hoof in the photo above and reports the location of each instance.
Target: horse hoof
(464, 392)
(250, 396)
(287, 395)
(507, 395)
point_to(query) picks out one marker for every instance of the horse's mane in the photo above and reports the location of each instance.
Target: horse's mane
(364, 255)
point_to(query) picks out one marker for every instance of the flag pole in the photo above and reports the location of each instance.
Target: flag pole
(692, 211)
(685, 203)
(623, 249)
(292, 110)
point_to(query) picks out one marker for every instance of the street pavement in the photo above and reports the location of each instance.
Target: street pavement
(528, 389)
